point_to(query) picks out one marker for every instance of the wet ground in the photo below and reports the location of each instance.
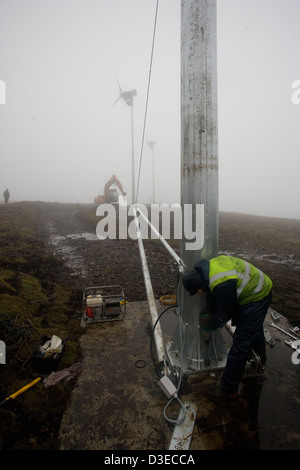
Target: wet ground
(117, 404)
(102, 262)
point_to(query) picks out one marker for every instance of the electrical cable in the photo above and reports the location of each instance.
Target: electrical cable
(152, 335)
(147, 99)
(177, 421)
(18, 333)
(172, 421)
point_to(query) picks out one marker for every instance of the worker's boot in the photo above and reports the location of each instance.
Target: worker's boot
(216, 393)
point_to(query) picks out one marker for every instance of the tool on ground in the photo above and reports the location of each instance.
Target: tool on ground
(283, 331)
(22, 390)
(293, 344)
(275, 316)
(268, 337)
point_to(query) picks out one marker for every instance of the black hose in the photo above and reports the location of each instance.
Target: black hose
(156, 367)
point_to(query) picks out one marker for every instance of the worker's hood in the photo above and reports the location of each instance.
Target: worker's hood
(192, 282)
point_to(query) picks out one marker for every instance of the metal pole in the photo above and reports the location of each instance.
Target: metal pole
(132, 157)
(199, 152)
(199, 145)
(153, 175)
(128, 98)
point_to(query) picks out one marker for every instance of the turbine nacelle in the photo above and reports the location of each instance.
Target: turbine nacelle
(126, 95)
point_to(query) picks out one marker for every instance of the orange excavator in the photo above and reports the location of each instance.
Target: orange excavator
(110, 194)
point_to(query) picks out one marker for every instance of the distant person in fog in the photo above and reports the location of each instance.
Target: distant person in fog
(6, 196)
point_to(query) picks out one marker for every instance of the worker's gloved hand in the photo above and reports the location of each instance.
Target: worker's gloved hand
(206, 323)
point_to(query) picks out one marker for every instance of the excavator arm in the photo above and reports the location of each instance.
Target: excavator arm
(107, 196)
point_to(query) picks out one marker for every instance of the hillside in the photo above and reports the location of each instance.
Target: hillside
(47, 260)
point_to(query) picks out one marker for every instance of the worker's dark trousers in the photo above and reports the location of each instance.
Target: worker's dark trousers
(249, 334)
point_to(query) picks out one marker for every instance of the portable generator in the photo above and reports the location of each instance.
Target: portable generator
(103, 303)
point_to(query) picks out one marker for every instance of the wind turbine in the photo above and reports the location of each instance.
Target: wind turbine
(126, 95)
(128, 98)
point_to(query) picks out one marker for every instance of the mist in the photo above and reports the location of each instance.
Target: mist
(63, 133)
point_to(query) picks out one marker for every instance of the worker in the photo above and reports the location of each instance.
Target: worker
(6, 196)
(242, 293)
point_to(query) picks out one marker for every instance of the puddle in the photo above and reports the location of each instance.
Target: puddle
(278, 403)
(274, 399)
(85, 235)
(60, 247)
(56, 239)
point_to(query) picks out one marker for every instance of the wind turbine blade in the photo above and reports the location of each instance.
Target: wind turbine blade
(117, 100)
(120, 89)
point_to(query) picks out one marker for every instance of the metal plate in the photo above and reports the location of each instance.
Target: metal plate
(182, 435)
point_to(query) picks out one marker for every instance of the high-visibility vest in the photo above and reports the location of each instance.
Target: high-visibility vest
(252, 284)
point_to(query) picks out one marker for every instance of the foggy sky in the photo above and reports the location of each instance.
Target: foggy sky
(61, 137)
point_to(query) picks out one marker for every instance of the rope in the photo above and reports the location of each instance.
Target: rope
(168, 300)
(146, 107)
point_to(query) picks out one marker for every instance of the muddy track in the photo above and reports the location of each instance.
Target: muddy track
(104, 262)
(270, 244)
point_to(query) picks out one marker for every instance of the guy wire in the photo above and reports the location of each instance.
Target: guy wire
(147, 98)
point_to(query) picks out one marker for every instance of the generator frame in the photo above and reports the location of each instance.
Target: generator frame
(113, 307)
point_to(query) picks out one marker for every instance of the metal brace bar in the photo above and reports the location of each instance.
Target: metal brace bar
(158, 337)
(164, 242)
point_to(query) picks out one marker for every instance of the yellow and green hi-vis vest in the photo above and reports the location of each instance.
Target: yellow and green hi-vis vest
(252, 284)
